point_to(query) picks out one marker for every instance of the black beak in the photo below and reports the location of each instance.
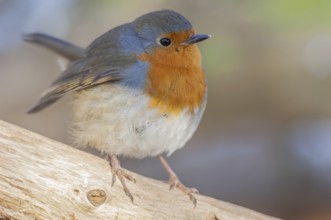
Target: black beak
(195, 39)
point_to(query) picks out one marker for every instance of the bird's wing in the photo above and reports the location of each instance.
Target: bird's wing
(103, 61)
(74, 81)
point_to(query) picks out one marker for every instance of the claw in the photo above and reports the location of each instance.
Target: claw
(113, 179)
(129, 177)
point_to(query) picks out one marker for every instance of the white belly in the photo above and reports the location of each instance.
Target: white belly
(117, 121)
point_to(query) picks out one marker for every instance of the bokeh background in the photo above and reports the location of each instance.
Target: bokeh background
(265, 139)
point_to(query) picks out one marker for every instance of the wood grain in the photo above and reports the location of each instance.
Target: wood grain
(44, 179)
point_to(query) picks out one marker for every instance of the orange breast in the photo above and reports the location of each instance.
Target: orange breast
(175, 79)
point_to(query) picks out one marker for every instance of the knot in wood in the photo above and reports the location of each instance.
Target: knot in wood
(96, 197)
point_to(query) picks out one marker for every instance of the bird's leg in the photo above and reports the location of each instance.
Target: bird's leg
(174, 181)
(118, 171)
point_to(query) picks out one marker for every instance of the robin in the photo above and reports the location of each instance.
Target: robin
(139, 90)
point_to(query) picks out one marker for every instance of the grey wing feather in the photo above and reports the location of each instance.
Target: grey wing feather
(72, 82)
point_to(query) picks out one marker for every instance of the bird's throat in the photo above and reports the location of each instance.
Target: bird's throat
(175, 81)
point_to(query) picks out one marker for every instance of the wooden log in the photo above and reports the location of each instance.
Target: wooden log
(44, 179)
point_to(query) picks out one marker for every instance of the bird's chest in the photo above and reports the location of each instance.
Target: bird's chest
(115, 119)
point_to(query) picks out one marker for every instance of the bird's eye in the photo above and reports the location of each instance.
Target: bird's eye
(165, 42)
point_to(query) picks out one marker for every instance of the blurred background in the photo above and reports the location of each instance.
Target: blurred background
(265, 139)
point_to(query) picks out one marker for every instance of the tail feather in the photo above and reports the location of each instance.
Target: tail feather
(63, 48)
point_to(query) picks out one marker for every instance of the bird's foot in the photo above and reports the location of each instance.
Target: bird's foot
(120, 173)
(175, 182)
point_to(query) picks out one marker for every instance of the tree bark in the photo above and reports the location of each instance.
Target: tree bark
(44, 179)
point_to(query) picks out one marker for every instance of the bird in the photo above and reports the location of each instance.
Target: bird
(139, 90)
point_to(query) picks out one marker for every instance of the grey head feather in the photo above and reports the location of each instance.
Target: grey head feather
(152, 25)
